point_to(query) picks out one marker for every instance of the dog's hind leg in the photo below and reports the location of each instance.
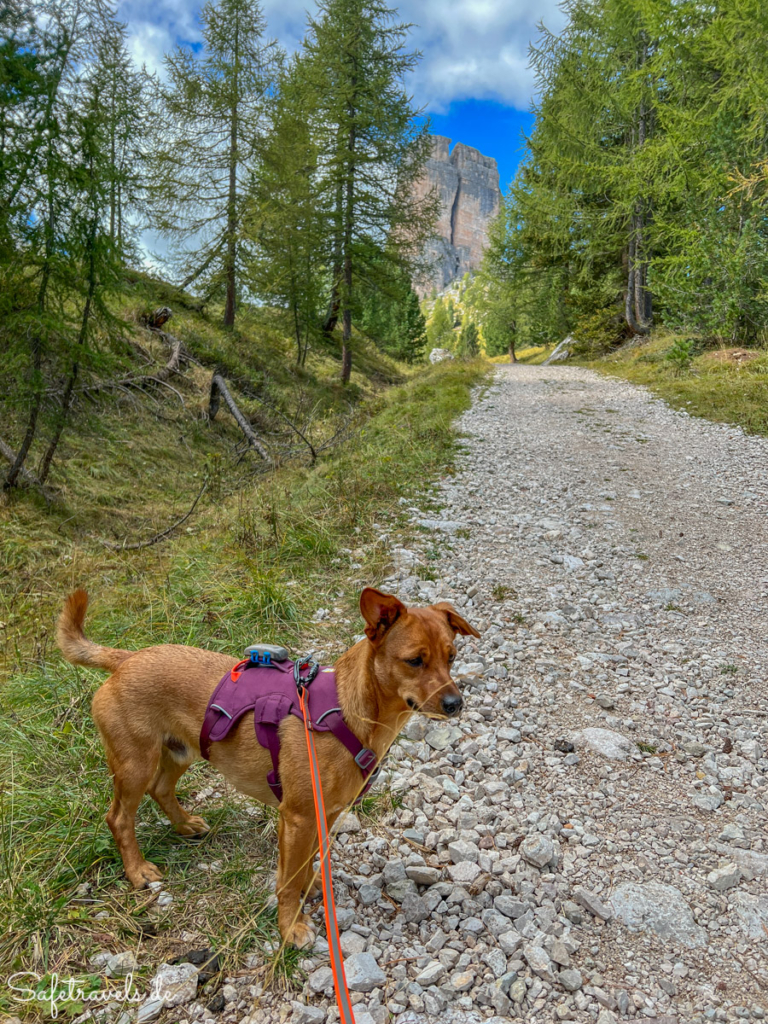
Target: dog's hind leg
(174, 761)
(132, 759)
(131, 781)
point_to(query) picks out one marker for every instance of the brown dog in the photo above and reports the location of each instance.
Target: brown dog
(150, 712)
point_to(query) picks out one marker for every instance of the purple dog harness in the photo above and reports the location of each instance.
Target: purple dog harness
(270, 692)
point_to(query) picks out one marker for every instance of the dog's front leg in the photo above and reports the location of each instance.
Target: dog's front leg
(297, 841)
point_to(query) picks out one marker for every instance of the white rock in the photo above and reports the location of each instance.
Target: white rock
(307, 1014)
(439, 355)
(656, 907)
(461, 851)
(346, 824)
(363, 973)
(604, 741)
(464, 873)
(537, 850)
(724, 877)
(175, 984)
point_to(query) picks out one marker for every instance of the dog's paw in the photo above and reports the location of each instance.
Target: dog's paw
(193, 826)
(300, 934)
(145, 873)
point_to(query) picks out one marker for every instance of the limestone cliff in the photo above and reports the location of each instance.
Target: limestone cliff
(468, 185)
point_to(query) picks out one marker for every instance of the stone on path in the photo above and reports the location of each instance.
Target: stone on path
(659, 908)
(752, 915)
(363, 973)
(175, 984)
(604, 741)
(537, 850)
(724, 877)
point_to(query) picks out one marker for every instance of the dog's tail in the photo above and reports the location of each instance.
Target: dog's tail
(73, 643)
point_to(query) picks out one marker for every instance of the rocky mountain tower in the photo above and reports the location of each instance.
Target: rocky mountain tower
(468, 185)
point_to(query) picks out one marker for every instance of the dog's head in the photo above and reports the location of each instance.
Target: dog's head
(414, 650)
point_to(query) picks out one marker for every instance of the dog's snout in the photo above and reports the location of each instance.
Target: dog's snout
(452, 704)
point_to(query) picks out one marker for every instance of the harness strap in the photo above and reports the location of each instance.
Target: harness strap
(365, 759)
(273, 745)
(331, 926)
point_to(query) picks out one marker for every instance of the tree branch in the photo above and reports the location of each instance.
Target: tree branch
(158, 536)
(220, 389)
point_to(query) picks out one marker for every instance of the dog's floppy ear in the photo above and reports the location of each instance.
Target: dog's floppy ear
(455, 621)
(380, 611)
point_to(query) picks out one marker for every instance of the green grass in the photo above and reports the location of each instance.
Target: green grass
(263, 552)
(718, 385)
(646, 748)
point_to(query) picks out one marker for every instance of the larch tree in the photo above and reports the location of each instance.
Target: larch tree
(285, 221)
(43, 300)
(213, 117)
(372, 149)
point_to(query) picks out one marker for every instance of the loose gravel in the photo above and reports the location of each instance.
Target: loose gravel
(588, 842)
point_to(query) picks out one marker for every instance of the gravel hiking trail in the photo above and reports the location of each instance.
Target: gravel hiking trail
(587, 843)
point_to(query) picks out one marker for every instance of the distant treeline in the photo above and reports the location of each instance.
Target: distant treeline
(642, 200)
(275, 182)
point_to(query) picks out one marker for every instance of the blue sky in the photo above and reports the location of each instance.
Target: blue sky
(473, 80)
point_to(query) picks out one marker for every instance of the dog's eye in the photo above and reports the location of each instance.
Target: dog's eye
(414, 662)
(451, 658)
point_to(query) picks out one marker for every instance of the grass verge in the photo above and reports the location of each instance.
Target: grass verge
(258, 563)
(728, 385)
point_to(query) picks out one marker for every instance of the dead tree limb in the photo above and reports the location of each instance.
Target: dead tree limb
(10, 456)
(158, 536)
(178, 355)
(220, 389)
(301, 434)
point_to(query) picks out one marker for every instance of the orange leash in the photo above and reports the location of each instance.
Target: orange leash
(331, 926)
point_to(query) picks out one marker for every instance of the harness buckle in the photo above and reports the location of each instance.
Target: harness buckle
(302, 682)
(365, 759)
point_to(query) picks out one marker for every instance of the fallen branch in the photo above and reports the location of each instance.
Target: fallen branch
(29, 477)
(172, 367)
(220, 389)
(158, 536)
(300, 433)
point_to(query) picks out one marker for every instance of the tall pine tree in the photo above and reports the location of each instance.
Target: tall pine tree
(372, 150)
(214, 114)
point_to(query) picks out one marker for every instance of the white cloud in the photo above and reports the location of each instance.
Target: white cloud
(473, 49)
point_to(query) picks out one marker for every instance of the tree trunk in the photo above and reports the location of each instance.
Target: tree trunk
(36, 346)
(231, 256)
(634, 288)
(332, 316)
(66, 401)
(346, 351)
(220, 389)
(229, 306)
(349, 213)
(21, 456)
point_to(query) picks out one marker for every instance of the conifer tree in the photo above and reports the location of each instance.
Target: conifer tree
(285, 222)
(372, 150)
(469, 339)
(57, 257)
(214, 115)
